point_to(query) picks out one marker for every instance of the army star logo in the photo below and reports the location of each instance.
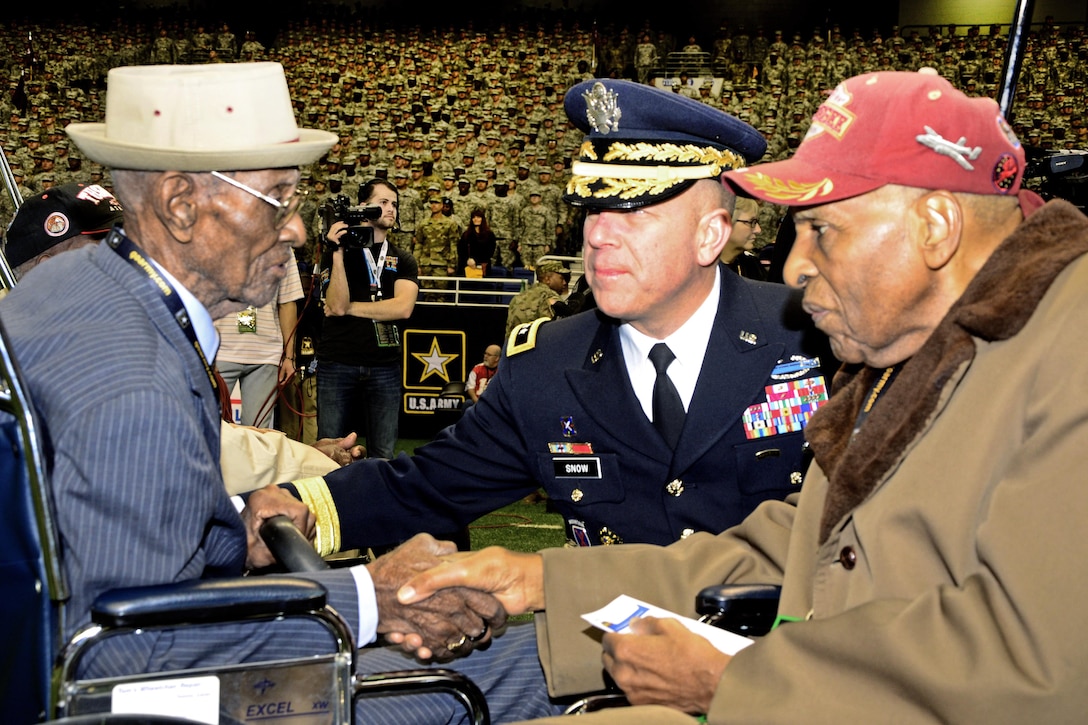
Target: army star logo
(435, 362)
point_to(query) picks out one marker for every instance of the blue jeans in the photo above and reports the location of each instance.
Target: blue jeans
(362, 399)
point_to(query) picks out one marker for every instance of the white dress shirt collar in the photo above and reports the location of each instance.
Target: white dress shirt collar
(688, 343)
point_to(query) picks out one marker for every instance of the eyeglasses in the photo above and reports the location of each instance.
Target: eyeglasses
(284, 210)
(753, 223)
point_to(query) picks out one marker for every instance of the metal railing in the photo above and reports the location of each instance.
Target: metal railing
(486, 291)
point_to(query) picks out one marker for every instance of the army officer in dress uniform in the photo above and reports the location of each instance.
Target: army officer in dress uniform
(571, 407)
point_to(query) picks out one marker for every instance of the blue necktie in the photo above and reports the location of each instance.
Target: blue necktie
(668, 409)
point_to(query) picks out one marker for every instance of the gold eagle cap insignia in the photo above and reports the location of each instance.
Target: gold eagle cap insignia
(602, 110)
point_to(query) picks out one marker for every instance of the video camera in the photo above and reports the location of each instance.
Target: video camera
(1063, 174)
(359, 234)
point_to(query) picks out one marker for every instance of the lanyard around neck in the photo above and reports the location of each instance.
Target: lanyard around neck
(132, 254)
(882, 383)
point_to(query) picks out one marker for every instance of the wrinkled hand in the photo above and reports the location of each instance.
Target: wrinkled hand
(516, 579)
(662, 663)
(342, 450)
(447, 617)
(263, 504)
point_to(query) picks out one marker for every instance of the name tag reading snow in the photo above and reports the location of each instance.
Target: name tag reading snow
(617, 615)
(195, 698)
(577, 467)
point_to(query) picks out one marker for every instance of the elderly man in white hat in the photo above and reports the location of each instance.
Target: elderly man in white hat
(116, 341)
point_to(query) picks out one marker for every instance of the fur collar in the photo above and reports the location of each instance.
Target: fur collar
(995, 306)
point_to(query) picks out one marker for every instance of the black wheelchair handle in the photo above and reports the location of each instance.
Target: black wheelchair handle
(289, 546)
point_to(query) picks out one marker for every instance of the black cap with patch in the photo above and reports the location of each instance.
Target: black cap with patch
(57, 214)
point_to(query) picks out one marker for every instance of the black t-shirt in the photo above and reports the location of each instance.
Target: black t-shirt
(351, 340)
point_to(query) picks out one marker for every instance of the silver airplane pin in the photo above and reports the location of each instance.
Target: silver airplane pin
(958, 152)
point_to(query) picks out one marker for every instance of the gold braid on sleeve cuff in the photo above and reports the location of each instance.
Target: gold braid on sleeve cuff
(315, 494)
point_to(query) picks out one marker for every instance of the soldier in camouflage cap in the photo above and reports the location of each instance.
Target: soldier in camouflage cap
(536, 301)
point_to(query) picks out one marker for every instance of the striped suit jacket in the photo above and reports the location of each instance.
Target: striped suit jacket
(134, 427)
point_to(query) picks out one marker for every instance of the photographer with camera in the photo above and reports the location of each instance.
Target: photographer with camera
(369, 286)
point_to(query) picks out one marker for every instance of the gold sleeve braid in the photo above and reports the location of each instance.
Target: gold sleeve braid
(315, 494)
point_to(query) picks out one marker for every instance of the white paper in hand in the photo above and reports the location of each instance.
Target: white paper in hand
(617, 615)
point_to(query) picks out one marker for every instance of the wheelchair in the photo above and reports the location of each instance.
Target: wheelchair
(38, 679)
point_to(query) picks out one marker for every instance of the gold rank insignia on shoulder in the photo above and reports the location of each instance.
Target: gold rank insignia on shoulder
(523, 337)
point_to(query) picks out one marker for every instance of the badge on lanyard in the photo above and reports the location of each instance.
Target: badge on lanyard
(247, 320)
(386, 333)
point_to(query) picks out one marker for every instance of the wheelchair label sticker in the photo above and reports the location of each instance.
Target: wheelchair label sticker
(195, 698)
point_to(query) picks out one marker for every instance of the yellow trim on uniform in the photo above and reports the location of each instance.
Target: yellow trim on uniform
(523, 337)
(315, 494)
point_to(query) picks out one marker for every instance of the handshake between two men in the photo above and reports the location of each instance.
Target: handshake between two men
(446, 624)
(439, 604)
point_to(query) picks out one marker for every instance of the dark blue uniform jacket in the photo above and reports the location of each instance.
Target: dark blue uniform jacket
(561, 414)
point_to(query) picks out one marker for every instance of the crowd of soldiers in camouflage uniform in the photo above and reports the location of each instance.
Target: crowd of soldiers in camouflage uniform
(776, 80)
(474, 116)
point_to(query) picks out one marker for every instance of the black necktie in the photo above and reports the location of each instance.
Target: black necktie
(668, 409)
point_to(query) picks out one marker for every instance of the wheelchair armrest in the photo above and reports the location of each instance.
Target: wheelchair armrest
(289, 546)
(748, 609)
(206, 601)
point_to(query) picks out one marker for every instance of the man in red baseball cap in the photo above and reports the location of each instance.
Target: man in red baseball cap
(930, 562)
(881, 145)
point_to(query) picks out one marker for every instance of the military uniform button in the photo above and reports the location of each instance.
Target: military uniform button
(795, 478)
(674, 487)
(576, 495)
(848, 558)
(686, 533)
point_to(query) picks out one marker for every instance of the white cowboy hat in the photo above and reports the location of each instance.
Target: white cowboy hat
(223, 116)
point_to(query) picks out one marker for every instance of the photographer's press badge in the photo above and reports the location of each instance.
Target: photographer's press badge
(247, 320)
(387, 334)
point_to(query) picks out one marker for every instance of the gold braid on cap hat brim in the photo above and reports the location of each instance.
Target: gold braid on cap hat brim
(633, 180)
